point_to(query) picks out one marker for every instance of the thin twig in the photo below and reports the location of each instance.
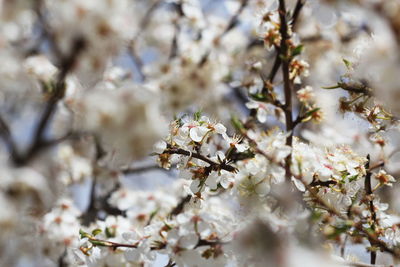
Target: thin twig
(369, 196)
(137, 61)
(233, 21)
(5, 133)
(174, 45)
(141, 169)
(287, 84)
(275, 67)
(91, 213)
(296, 12)
(359, 264)
(278, 61)
(38, 141)
(180, 206)
(213, 164)
(377, 165)
(144, 23)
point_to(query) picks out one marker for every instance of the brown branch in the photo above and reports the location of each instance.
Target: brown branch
(5, 133)
(38, 142)
(179, 207)
(105, 206)
(234, 19)
(91, 213)
(358, 88)
(114, 245)
(213, 164)
(97, 203)
(377, 165)
(147, 17)
(174, 45)
(61, 262)
(287, 84)
(137, 61)
(275, 67)
(203, 242)
(141, 169)
(320, 183)
(298, 120)
(110, 244)
(278, 61)
(231, 25)
(296, 12)
(373, 239)
(369, 197)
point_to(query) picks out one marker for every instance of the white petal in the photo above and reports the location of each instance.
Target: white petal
(188, 241)
(132, 255)
(262, 189)
(212, 181)
(219, 128)
(185, 174)
(299, 184)
(308, 178)
(173, 237)
(262, 115)
(220, 155)
(194, 186)
(251, 105)
(241, 147)
(160, 146)
(197, 133)
(130, 236)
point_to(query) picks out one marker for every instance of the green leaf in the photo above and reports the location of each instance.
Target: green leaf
(373, 248)
(283, 57)
(179, 119)
(353, 178)
(297, 50)
(331, 87)
(339, 229)
(110, 232)
(344, 174)
(369, 230)
(197, 115)
(258, 97)
(237, 123)
(316, 215)
(347, 63)
(101, 243)
(154, 213)
(83, 234)
(96, 232)
(307, 115)
(167, 226)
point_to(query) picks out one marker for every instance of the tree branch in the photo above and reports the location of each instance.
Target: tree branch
(369, 197)
(213, 164)
(38, 141)
(278, 61)
(141, 169)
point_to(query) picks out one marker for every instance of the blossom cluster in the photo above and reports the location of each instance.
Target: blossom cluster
(282, 146)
